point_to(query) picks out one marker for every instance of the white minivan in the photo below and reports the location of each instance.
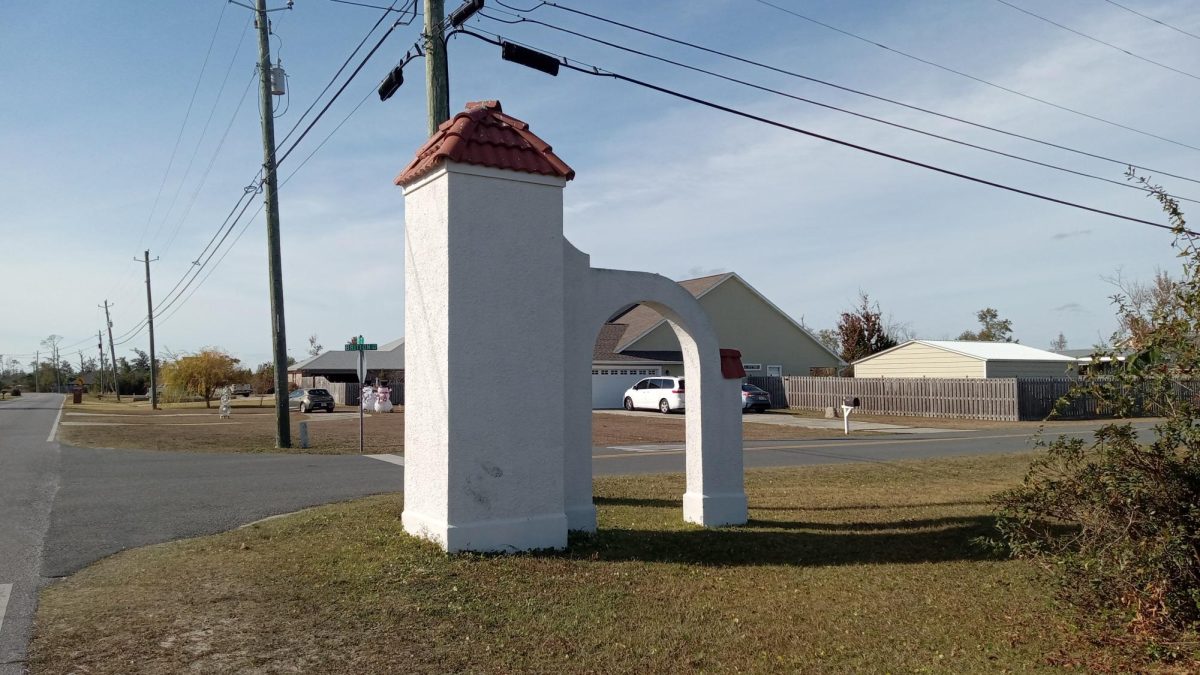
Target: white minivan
(663, 393)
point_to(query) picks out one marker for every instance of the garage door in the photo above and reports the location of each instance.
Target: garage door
(609, 384)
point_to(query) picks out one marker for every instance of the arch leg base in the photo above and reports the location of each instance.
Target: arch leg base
(581, 518)
(715, 510)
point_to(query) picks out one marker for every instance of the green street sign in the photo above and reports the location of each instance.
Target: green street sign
(361, 347)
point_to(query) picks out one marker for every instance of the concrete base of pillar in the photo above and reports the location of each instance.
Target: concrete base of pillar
(715, 510)
(491, 536)
(582, 518)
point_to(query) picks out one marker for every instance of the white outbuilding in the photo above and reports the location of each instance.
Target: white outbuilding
(963, 359)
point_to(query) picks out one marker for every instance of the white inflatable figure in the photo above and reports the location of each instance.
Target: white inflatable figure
(368, 398)
(226, 395)
(383, 400)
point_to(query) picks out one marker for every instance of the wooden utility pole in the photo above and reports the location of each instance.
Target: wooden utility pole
(437, 78)
(283, 429)
(150, 322)
(100, 346)
(112, 353)
(37, 366)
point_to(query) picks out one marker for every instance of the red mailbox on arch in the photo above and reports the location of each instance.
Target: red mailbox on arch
(731, 364)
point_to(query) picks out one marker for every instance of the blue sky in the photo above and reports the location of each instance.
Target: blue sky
(96, 94)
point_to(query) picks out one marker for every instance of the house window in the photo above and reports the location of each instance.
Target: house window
(752, 366)
(595, 372)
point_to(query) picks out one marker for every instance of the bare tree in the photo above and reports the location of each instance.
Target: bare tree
(314, 347)
(51, 342)
(1059, 344)
(1143, 304)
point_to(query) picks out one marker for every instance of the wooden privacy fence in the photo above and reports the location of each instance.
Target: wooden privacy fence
(1004, 399)
(980, 399)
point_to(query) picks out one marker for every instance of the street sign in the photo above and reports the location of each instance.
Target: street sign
(362, 368)
(360, 347)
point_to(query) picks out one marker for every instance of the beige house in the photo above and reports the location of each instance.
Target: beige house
(638, 342)
(959, 358)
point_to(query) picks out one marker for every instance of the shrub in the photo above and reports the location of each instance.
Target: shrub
(16, 391)
(1116, 520)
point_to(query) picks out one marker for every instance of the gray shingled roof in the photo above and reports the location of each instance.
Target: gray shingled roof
(390, 356)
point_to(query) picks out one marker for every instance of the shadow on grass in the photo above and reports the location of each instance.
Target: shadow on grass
(798, 543)
(678, 504)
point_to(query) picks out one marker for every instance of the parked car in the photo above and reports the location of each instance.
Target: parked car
(307, 400)
(663, 393)
(755, 399)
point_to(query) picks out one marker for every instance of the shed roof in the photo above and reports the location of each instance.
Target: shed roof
(984, 351)
(389, 356)
(484, 136)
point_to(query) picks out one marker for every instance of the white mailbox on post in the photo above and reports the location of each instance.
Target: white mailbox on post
(848, 405)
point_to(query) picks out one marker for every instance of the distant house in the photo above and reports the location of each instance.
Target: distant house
(959, 358)
(337, 371)
(638, 342)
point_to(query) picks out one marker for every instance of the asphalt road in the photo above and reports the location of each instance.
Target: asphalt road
(62, 508)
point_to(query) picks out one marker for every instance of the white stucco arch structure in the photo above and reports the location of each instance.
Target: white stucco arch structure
(715, 494)
(499, 304)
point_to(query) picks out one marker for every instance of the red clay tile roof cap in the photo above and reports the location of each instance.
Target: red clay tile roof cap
(483, 135)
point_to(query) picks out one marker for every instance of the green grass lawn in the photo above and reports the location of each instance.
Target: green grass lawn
(864, 568)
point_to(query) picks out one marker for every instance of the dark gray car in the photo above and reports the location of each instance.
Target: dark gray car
(308, 400)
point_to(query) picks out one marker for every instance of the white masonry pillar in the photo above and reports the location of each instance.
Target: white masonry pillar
(484, 358)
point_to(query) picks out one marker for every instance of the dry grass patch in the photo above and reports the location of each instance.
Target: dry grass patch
(842, 568)
(251, 428)
(192, 427)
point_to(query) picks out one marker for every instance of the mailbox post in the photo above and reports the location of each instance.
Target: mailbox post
(848, 405)
(356, 344)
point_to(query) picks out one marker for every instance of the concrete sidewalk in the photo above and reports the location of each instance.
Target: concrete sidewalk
(785, 420)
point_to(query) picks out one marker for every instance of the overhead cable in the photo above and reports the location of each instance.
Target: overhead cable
(587, 69)
(1121, 162)
(1097, 40)
(827, 106)
(980, 80)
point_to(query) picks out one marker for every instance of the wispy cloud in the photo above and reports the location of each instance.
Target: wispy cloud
(1070, 307)
(1071, 233)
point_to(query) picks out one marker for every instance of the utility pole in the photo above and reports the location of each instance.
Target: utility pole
(150, 322)
(112, 351)
(37, 366)
(100, 346)
(283, 429)
(437, 78)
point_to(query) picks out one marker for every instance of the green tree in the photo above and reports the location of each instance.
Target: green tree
(991, 328)
(1116, 520)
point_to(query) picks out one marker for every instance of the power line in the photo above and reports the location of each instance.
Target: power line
(782, 71)
(598, 72)
(1097, 40)
(980, 80)
(200, 141)
(186, 116)
(341, 89)
(411, 4)
(827, 106)
(255, 214)
(211, 162)
(1161, 23)
(227, 226)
